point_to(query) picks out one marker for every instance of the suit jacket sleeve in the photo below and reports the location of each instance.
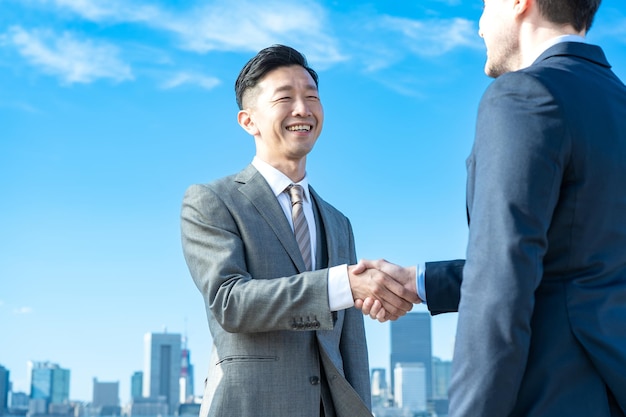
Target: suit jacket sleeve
(443, 285)
(514, 175)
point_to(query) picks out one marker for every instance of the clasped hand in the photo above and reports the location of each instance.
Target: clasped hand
(383, 290)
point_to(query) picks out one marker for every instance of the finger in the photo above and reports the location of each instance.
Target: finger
(367, 306)
(375, 309)
(358, 304)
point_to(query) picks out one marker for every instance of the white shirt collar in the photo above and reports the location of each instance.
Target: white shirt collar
(277, 180)
(551, 42)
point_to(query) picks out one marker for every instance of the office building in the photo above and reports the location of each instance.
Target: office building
(442, 371)
(106, 398)
(162, 363)
(19, 403)
(105, 393)
(136, 385)
(49, 384)
(411, 343)
(379, 382)
(4, 390)
(410, 386)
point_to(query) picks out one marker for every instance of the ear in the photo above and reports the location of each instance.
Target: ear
(522, 6)
(246, 121)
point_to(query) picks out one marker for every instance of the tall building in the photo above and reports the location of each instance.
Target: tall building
(161, 374)
(105, 394)
(136, 385)
(186, 375)
(410, 386)
(411, 343)
(378, 382)
(49, 384)
(442, 371)
(4, 390)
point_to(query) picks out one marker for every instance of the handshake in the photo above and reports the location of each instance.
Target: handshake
(383, 290)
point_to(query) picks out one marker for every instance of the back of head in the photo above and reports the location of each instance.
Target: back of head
(266, 60)
(577, 13)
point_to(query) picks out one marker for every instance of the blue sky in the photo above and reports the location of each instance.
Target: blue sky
(110, 109)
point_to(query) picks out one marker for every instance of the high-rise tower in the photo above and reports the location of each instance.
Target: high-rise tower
(162, 368)
(411, 343)
(49, 384)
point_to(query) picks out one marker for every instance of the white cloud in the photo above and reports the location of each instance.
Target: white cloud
(226, 25)
(183, 78)
(71, 59)
(433, 37)
(23, 310)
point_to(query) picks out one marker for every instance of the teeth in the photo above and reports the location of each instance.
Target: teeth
(299, 127)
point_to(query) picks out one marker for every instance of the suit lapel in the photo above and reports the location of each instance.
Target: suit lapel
(254, 187)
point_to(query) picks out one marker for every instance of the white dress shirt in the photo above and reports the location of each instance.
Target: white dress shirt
(339, 292)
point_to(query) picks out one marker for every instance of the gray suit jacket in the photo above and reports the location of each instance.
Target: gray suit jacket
(277, 348)
(542, 315)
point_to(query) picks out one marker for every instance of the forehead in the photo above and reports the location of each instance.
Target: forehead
(287, 78)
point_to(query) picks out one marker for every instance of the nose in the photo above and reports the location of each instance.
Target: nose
(301, 108)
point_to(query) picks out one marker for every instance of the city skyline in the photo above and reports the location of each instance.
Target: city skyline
(169, 352)
(111, 109)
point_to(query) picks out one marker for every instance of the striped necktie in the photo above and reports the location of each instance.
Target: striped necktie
(300, 226)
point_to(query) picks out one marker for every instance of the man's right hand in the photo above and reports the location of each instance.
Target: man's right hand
(383, 290)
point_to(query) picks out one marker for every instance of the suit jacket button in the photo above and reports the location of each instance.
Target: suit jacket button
(314, 380)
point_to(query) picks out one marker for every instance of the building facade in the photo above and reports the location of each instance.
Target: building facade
(162, 364)
(410, 386)
(49, 385)
(4, 390)
(411, 343)
(136, 385)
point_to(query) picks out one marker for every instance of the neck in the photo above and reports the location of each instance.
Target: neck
(535, 35)
(295, 170)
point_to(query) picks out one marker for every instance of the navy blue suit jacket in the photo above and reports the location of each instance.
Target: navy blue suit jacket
(542, 312)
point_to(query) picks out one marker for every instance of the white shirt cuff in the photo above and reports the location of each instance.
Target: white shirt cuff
(339, 291)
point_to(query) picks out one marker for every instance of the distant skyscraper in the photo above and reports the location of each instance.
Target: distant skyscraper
(186, 375)
(136, 385)
(161, 372)
(19, 402)
(4, 390)
(105, 393)
(410, 386)
(49, 383)
(411, 343)
(441, 378)
(379, 382)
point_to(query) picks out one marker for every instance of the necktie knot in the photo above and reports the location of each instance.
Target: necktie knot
(295, 193)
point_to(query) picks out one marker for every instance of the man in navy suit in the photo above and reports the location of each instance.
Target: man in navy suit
(542, 311)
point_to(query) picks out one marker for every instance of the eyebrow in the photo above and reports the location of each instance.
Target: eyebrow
(288, 87)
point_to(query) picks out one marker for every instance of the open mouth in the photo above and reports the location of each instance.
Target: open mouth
(299, 128)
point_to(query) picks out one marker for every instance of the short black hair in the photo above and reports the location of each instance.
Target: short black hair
(578, 13)
(266, 60)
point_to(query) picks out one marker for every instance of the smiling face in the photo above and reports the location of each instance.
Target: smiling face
(284, 114)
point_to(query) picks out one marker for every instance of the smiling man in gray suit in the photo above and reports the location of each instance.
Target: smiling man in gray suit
(286, 338)
(542, 312)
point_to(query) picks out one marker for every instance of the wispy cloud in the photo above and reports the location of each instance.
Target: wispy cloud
(433, 37)
(23, 310)
(225, 25)
(187, 78)
(64, 55)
